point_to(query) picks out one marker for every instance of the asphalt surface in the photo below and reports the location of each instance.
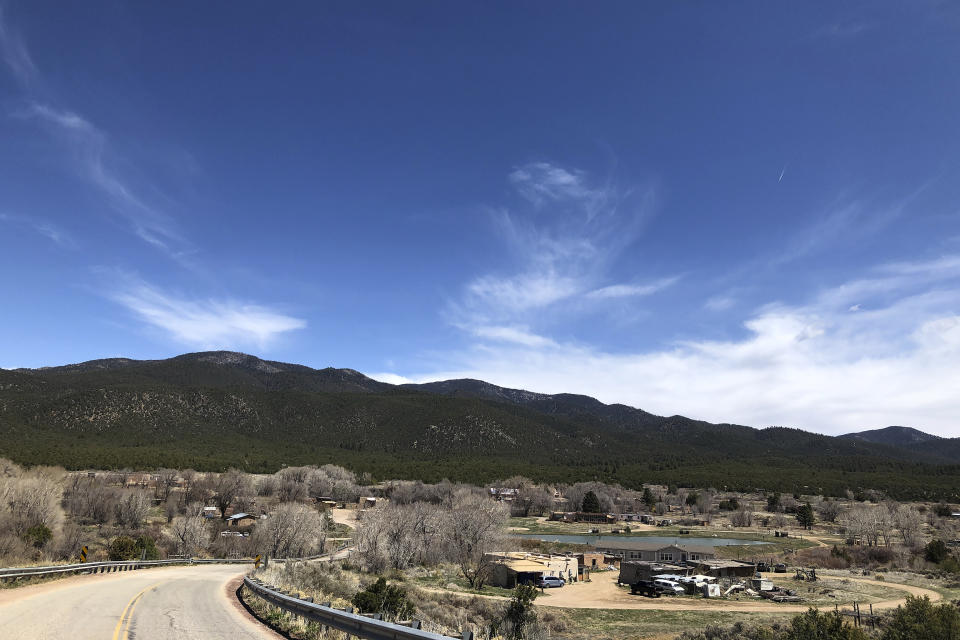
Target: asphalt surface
(150, 604)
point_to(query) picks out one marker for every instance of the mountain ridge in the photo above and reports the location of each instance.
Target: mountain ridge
(221, 408)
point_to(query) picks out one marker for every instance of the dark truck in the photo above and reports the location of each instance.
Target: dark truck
(646, 588)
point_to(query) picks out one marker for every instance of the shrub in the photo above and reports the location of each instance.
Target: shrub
(38, 535)
(147, 548)
(380, 597)
(814, 625)
(919, 619)
(123, 548)
(520, 614)
(936, 551)
(729, 505)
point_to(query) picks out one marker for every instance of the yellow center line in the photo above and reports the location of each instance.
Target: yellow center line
(129, 610)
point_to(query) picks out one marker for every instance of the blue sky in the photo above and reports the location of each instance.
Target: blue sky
(745, 213)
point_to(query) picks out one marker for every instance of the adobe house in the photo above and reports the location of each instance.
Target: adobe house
(628, 549)
(513, 568)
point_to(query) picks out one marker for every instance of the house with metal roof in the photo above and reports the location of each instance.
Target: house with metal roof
(638, 549)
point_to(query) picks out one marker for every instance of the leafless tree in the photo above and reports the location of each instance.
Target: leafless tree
(196, 487)
(173, 507)
(829, 510)
(293, 484)
(132, 509)
(229, 486)
(868, 523)
(908, 521)
(9, 469)
(742, 518)
(90, 500)
(189, 534)
(266, 486)
(67, 545)
(475, 527)
(166, 481)
(604, 493)
(335, 482)
(291, 530)
(28, 501)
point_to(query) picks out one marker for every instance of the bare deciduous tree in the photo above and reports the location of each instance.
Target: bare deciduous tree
(30, 501)
(291, 530)
(227, 487)
(132, 509)
(166, 480)
(475, 527)
(189, 534)
(742, 518)
(829, 510)
(907, 520)
(89, 500)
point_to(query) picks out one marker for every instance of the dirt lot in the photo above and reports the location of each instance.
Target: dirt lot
(603, 593)
(345, 516)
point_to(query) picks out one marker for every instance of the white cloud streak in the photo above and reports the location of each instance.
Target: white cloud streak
(45, 228)
(203, 322)
(90, 150)
(633, 290)
(15, 53)
(816, 366)
(563, 249)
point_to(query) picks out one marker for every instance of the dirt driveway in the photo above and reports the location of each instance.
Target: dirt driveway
(603, 593)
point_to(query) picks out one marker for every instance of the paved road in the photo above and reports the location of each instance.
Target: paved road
(150, 604)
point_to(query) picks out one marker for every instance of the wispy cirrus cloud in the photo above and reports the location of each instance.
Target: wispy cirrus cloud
(15, 53)
(720, 302)
(207, 323)
(563, 241)
(49, 230)
(90, 149)
(543, 183)
(513, 334)
(633, 290)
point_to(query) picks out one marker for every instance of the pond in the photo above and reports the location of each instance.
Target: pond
(610, 540)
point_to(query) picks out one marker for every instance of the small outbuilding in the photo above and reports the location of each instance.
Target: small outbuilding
(726, 568)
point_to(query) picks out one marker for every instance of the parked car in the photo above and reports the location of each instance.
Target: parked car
(646, 588)
(780, 568)
(550, 581)
(763, 566)
(670, 587)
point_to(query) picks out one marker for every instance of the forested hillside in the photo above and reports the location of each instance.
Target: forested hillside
(220, 409)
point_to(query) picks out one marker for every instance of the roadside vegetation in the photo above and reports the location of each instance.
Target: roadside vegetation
(421, 550)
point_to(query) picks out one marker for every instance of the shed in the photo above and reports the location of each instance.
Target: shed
(727, 568)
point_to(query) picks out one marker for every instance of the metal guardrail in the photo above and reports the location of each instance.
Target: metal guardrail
(362, 626)
(86, 567)
(131, 565)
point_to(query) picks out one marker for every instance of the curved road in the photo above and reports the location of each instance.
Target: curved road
(150, 604)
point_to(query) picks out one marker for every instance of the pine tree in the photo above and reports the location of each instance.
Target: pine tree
(591, 504)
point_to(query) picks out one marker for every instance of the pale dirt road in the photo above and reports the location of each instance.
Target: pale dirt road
(603, 593)
(345, 516)
(151, 604)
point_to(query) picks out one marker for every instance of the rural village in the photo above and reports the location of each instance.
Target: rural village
(591, 560)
